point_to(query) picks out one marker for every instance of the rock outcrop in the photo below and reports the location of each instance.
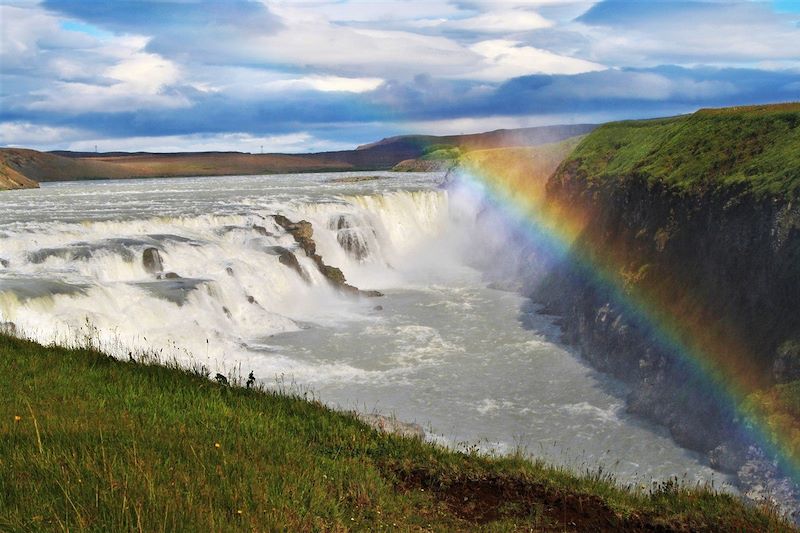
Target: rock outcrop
(151, 261)
(391, 425)
(303, 234)
(349, 236)
(715, 257)
(287, 258)
(786, 367)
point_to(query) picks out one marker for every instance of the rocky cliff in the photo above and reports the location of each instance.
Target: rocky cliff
(694, 223)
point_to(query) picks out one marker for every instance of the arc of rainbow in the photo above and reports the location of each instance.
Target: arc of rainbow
(556, 233)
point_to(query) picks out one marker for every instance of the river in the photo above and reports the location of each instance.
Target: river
(471, 363)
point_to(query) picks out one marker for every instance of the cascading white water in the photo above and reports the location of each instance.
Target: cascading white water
(440, 347)
(231, 291)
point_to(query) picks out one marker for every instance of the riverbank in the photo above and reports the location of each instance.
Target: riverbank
(94, 443)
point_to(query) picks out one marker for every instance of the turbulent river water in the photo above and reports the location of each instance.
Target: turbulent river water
(441, 348)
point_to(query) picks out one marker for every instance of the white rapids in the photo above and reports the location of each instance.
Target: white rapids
(441, 347)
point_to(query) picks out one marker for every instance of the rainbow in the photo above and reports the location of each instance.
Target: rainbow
(705, 347)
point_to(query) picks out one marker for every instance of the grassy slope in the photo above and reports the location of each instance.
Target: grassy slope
(91, 443)
(756, 148)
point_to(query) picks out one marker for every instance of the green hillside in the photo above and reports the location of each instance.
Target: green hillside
(756, 148)
(90, 443)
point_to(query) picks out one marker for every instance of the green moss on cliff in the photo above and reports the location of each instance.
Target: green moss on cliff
(755, 148)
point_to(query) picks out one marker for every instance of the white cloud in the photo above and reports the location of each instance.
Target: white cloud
(636, 85)
(373, 11)
(27, 134)
(143, 72)
(713, 33)
(112, 63)
(73, 98)
(135, 82)
(24, 31)
(502, 22)
(312, 41)
(326, 84)
(505, 59)
(83, 72)
(460, 126)
(298, 142)
(381, 50)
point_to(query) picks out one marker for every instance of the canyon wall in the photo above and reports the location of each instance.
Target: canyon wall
(684, 280)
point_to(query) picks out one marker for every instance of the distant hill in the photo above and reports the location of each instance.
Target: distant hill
(382, 155)
(482, 141)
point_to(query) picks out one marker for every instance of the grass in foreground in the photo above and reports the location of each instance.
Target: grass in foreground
(88, 442)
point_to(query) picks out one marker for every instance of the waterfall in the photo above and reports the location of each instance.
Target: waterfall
(213, 287)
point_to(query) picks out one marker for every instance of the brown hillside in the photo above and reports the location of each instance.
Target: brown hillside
(11, 179)
(383, 155)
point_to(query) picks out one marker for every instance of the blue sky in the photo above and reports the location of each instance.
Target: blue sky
(298, 76)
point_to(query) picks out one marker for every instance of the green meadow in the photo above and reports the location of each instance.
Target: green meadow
(753, 148)
(91, 443)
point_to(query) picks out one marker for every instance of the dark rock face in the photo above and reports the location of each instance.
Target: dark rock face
(787, 362)
(301, 231)
(151, 260)
(727, 458)
(338, 222)
(3, 262)
(353, 243)
(371, 294)
(764, 483)
(288, 259)
(349, 236)
(261, 230)
(392, 426)
(730, 259)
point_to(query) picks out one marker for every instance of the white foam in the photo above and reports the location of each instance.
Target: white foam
(233, 292)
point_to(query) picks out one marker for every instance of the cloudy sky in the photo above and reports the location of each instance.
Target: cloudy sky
(298, 76)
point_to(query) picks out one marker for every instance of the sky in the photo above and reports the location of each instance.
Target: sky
(299, 76)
